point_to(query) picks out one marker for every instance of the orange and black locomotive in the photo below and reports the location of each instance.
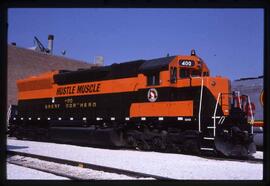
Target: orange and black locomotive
(164, 104)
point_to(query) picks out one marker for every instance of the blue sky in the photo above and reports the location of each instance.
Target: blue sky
(229, 40)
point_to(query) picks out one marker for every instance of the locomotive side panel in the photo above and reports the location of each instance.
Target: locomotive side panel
(78, 107)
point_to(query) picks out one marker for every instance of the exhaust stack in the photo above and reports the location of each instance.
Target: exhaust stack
(50, 44)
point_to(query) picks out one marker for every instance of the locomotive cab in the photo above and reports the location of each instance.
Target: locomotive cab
(213, 108)
(191, 71)
(188, 67)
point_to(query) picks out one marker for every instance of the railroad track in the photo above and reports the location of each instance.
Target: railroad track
(45, 170)
(81, 164)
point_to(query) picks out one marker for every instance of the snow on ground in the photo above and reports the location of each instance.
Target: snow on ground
(258, 154)
(176, 166)
(15, 172)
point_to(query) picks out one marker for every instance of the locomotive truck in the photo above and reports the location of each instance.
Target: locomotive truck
(165, 104)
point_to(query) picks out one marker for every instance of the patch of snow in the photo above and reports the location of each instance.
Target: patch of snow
(177, 166)
(258, 154)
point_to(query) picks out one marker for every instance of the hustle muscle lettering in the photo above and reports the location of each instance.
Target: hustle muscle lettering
(79, 89)
(82, 89)
(69, 90)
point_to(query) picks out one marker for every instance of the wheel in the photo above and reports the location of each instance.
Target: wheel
(131, 142)
(142, 145)
(156, 143)
(192, 146)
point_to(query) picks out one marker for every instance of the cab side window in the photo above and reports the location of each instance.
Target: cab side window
(153, 79)
(173, 74)
(205, 73)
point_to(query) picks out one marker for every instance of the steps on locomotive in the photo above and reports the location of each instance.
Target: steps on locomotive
(208, 137)
(207, 143)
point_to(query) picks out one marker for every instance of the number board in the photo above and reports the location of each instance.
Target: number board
(186, 63)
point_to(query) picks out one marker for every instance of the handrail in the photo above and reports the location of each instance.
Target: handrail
(239, 99)
(215, 112)
(251, 113)
(8, 114)
(200, 106)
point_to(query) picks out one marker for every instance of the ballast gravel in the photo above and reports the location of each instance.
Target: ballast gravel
(15, 172)
(66, 170)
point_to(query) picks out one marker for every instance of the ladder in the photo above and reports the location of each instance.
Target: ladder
(208, 139)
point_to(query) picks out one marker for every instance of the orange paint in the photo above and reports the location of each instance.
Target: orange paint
(43, 86)
(105, 87)
(170, 108)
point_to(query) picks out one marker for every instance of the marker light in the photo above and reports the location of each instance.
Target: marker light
(193, 53)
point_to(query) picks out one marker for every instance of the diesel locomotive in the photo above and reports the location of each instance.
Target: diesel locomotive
(165, 104)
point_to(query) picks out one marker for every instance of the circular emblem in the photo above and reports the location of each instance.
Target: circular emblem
(152, 95)
(261, 98)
